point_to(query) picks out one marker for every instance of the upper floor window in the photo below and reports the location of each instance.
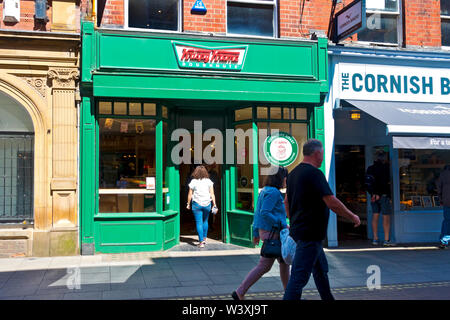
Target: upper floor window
(383, 22)
(445, 22)
(154, 14)
(252, 17)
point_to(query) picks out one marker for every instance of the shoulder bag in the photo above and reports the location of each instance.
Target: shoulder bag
(271, 247)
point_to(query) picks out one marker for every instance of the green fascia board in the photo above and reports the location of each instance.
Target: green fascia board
(156, 52)
(165, 87)
(116, 52)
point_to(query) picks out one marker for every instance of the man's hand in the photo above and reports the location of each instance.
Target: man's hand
(355, 219)
(256, 241)
(375, 197)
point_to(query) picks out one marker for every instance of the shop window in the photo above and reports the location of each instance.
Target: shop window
(301, 114)
(127, 165)
(383, 22)
(262, 113)
(149, 109)
(244, 169)
(445, 22)
(243, 114)
(154, 14)
(275, 113)
(120, 108)
(135, 108)
(254, 18)
(105, 107)
(419, 171)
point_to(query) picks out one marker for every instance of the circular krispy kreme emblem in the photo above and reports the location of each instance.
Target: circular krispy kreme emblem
(281, 149)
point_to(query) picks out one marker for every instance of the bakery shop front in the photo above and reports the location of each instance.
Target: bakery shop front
(156, 105)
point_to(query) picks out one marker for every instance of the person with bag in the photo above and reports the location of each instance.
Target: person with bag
(270, 213)
(201, 192)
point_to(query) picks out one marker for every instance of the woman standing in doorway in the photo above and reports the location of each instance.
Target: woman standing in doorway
(201, 192)
(270, 211)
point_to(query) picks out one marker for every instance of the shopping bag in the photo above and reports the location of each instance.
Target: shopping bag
(288, 246)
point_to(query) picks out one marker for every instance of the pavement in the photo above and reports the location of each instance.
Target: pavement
(188, 273)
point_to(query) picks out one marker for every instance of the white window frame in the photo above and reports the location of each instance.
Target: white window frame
(397, 13)
(179, 27)
(273, 3)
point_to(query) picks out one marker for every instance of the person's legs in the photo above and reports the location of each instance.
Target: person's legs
(375, 218)
(198, 215)
(305, 257)
(386, 226)
(284, 273)
(264, 265)
(205, 215)
(320, 274)
(445, 229)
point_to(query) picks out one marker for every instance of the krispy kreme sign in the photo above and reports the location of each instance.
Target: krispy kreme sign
(197, 57)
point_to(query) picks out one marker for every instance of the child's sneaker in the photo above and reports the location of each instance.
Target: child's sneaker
(375, 242)
(388, 243)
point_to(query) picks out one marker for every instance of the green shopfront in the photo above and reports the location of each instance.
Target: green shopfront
(154, 105)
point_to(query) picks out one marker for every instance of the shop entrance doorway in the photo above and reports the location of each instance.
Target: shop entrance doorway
(350, 170)
(210, 119)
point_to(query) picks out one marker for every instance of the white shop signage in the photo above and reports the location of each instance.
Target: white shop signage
(392, 83)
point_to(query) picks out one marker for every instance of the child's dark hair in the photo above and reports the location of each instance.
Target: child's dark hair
(276, 180)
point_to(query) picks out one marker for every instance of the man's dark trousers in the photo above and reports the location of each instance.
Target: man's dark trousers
(309, 257)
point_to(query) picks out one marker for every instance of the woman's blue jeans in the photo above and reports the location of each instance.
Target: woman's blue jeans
(201, 215)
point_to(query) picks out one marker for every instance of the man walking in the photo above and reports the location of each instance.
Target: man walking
(310, 198)
(380, 192)
(443, 186)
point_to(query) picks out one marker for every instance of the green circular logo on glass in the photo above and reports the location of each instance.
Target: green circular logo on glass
(281, 149)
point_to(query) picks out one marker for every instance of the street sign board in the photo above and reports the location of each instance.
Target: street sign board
(350, 20)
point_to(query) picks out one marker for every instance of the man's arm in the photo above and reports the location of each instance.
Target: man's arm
(339, 208)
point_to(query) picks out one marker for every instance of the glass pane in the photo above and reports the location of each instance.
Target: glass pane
(105, 107)
(419, 171)
(445, 32)
(120, 108)
(149, 109)
(445, 7)
(288, 113)
(243, 114)
(153, 14)
(262, 113)
(301, 114)
(127, 161)
(275, 113)
(380, 28)
(244, 169)
(250, 19)
(135, 109)
(165, 112)
(382, 5)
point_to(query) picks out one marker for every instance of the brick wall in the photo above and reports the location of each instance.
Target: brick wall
(27, 21)
(422, 23)
(213, 21)
(110, 13)
(13, 248)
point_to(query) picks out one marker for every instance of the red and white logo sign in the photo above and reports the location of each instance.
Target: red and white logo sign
(210, 58)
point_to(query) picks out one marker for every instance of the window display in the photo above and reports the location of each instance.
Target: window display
(419, 171)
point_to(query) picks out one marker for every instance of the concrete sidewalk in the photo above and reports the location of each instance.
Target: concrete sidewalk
(204, 273)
